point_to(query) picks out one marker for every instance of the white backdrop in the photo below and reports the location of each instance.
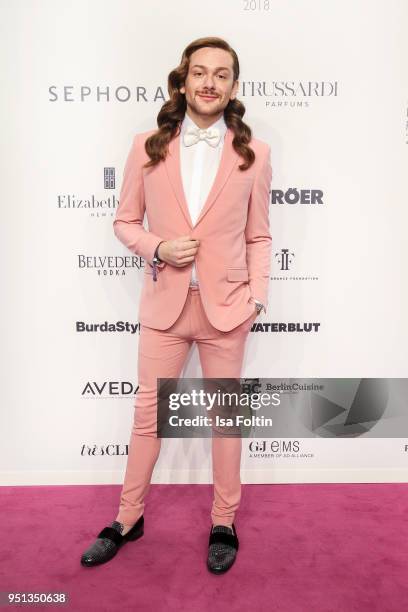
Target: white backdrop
(80, 78)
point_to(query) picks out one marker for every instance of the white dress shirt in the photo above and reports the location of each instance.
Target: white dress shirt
(199, 165)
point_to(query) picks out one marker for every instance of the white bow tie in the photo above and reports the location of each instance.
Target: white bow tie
(193, 134)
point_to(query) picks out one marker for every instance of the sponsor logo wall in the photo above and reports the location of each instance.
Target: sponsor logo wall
(336, 118)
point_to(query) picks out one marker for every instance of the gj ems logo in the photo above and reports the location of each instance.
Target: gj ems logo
(283, 446)
(257, 446)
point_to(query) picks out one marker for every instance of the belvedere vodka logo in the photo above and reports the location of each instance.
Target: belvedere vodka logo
(110, 265)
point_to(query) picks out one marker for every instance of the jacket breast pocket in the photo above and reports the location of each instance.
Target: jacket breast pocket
(237, 274)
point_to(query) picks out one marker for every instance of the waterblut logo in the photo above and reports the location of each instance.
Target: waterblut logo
(285, 327)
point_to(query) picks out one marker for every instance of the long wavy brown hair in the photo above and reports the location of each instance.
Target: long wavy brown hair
(173, 110)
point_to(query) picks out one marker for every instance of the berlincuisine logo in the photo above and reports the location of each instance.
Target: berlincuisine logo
(274, 93)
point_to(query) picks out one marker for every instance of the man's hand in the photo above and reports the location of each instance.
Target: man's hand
(258, 306)
(178, 252)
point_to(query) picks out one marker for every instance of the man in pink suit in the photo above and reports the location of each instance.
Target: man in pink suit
(203, 183)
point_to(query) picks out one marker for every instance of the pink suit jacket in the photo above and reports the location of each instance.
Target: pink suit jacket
(234, 256)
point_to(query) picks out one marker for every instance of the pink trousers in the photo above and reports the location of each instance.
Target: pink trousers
(162, 354)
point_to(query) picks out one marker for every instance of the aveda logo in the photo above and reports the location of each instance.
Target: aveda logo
(108, 388)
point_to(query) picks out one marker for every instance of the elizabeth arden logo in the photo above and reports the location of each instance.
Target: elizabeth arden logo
(109, 178)
(96, 206)
(71, 201)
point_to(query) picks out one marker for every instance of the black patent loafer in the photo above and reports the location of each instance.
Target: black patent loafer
(109, 541)
(222, 548)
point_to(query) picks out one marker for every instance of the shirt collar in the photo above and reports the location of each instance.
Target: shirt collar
(220, 124)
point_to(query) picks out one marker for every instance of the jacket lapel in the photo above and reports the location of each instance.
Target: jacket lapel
(229, 157)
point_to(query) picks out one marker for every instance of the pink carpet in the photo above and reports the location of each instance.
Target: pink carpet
(303, 548)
